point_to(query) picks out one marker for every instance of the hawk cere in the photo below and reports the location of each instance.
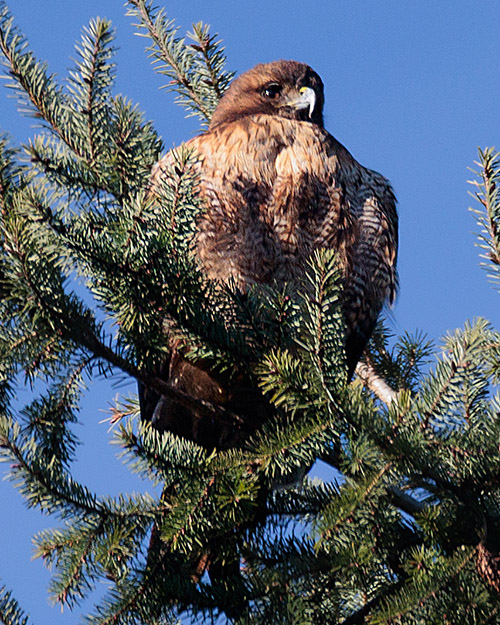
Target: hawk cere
(276, 186)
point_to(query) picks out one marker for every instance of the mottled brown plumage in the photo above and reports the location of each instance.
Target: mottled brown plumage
(276, 186)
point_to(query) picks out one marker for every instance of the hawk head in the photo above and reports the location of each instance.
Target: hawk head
(285, 88)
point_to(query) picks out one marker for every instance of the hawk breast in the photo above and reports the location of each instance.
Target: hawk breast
(269, 187)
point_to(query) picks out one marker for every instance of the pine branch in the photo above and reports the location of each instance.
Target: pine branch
(97, 545)
(213, 60)
(359, 617)
(10, 612)
(47, 418)
(43, 485)
(195, 71)
(75, 323)
(167, 457)
(91, 85)
(9, 173)
(423, 584)
(133, 601)
(400, 499)
(352, 497)
(76, 326)
(169, 53)
(488, 218)
(77, 577)
(38, 93)
(322, 326)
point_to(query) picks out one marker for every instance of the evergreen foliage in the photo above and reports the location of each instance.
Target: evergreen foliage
(408, 530)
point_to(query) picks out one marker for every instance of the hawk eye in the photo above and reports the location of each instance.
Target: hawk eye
(272, 90)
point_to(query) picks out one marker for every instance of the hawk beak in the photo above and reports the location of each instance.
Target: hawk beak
(306, 99)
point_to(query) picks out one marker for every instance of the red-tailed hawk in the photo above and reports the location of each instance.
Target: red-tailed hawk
(276, 186)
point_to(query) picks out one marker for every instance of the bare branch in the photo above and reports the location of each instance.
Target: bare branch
(375, 383)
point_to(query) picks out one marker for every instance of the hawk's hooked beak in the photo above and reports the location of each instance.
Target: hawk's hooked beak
(306, 99)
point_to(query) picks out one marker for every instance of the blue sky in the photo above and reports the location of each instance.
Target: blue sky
(412, 89)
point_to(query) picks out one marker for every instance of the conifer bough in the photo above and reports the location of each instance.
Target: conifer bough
(407, 530)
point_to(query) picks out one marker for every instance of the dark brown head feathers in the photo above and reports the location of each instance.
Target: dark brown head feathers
(267, 89)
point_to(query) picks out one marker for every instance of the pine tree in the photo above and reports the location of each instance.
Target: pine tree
(408, 531)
